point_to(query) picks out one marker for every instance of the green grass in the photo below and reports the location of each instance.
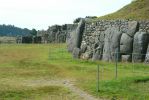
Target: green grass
(24, 64)
(137, 10)
(37, 93)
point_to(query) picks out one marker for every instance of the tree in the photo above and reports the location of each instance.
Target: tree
(33, 32)
(11, 30)
(77, 20)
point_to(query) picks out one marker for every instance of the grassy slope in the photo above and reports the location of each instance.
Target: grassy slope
(138, 10)
(22, 64)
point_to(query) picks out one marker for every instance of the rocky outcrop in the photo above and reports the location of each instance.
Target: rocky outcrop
(107, 39)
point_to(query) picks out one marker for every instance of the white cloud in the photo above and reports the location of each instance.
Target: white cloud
(42, 13)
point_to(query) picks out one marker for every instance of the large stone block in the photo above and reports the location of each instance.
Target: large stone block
(140, 44)
(147, 55)
(83, 47)
(97, 55)
(98, 51)
(111, 43)
(70, 41)
(79, 33)
(132, 28)
(75, 38)
(126, 58)
(87, 55)
(76, 53)
(126, 44)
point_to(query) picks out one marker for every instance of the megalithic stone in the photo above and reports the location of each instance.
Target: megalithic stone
(132, 28)
(147, 55)
(126, 44)
(79, 33)
(140, 44)
(75, 38)
(111, 44)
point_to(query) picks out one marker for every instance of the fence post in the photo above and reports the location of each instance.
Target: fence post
(97, 78)
(116, 61)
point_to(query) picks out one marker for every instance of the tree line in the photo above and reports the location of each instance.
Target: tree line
(11, 30)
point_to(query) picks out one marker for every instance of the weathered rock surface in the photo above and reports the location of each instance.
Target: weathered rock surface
(126, 58)
(79, 33)
(86, 55)
(126, 44)
(132, 28)
(75, 39)
(83, 47)
(97, 55)
(112, 43)
(70, 41)
(76, 53)
(147, 55)
(140, 44)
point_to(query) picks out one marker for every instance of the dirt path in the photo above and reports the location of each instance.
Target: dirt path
(79, 92)
(67, 83)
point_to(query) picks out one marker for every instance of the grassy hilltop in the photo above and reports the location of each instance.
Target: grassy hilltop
(138, 10)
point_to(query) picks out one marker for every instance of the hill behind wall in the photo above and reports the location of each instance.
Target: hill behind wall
(137, 10)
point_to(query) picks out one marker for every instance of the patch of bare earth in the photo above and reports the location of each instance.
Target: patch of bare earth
(67, 83)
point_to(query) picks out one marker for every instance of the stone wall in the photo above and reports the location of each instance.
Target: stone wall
(28, 39)
(101, 39)
(56, 33)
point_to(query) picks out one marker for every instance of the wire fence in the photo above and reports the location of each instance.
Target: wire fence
(122, 77)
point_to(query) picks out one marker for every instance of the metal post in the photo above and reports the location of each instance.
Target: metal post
(132, 62)
(97, 78)
(116, 61)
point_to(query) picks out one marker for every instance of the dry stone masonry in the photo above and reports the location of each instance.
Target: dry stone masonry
(99, 40)
(107, 40)
(56, 33)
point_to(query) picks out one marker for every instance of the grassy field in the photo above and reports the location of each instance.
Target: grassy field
(26, 71)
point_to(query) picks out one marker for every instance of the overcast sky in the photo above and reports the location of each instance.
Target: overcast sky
(40, 14)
